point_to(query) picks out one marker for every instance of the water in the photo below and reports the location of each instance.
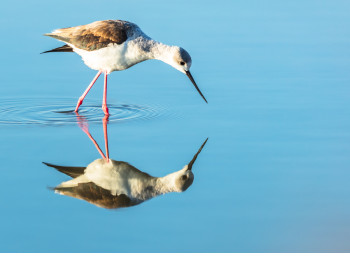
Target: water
(58, 111)
(274, 174)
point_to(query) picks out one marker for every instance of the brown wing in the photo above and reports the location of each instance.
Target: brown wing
(94, 36)
(96, 195)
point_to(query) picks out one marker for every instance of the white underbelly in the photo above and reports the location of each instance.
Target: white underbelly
(113, 57)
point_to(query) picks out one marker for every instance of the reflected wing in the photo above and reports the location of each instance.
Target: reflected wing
(68, 170)
(96, 195)
(93, 36)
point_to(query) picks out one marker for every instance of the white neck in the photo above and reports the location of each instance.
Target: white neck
(157, 50)
(167, 184)
(158, 186)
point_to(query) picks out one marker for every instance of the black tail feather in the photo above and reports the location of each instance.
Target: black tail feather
(64, 48)
(71, 171)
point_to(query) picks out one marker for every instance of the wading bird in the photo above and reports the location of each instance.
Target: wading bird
(114, 184)
(113, 45)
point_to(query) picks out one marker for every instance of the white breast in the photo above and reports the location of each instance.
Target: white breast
(118, 178)
(114, 57)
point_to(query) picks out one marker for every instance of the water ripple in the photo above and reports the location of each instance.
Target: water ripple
(54, 111)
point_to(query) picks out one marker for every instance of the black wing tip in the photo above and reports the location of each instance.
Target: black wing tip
(50, 165)
(51, 188)
(64, 48)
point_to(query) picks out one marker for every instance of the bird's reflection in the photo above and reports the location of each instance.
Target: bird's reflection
(114, 184)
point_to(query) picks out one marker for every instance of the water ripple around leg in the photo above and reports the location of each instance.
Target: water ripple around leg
(58, 111)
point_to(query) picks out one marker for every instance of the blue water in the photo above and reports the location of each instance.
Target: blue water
(274, 175)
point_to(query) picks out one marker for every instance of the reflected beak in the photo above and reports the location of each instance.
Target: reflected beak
(195, 156)
(195, 85)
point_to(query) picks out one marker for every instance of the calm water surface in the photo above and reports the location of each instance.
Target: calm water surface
(274, 175)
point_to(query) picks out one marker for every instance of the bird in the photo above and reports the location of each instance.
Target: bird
(115, 45)
(117, 184)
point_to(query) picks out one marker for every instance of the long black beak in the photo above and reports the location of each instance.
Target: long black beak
(195, 85)
(195, 156)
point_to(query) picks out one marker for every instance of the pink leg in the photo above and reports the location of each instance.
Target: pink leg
(105, 121)
(84, 126)
(80, 101)
(96, 145)
(104, 102)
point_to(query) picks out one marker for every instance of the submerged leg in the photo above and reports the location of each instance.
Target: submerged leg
(80, 101)
(104, 102)
(105, 121)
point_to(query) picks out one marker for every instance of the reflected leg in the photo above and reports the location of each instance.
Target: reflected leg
(84, 126)
(105, 121)
(80, 101)
(104, 102)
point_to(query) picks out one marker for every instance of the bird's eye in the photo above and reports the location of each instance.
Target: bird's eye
(183, 177)
(182, 63)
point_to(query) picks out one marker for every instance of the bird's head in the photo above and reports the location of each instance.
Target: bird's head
(184, 178)
(181, 60)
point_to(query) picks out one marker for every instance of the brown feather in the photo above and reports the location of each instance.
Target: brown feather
(94, 36)
(96, 195)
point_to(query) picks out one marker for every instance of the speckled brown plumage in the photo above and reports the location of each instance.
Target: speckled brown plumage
(96, 195)
(94, 36)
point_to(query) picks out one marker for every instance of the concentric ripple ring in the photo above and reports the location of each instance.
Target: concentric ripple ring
(60, 111)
